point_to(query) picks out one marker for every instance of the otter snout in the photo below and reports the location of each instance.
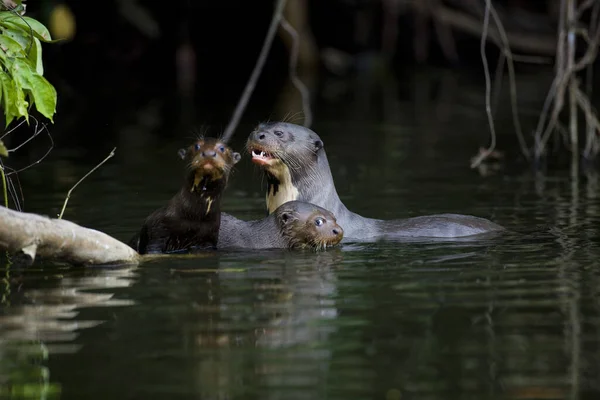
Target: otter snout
(338, 231)
(209, 153)
(258, 135)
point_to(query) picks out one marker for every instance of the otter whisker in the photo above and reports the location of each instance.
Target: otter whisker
(293, 117)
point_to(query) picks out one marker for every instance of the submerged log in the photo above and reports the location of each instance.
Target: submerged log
(60, 240)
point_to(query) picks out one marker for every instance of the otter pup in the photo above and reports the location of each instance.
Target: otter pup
(295, 164)
(191, 219)
(293, 225)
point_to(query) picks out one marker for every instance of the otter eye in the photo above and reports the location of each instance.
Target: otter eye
(278, 133)
(319, 221)
(222, 149)
(197, 146)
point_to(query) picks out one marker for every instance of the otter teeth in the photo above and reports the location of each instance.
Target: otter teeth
(259, 153)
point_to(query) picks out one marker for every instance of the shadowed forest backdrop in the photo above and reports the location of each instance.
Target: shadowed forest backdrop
(181, 68)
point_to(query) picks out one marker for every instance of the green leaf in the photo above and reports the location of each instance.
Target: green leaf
(11, 46)
(32, 48)
(42, 92)
(18, 35)
(20, 105)
(27, 24)
(44, 96)
(35, 56)
(15, 104)
(3, 150)
(8, 96)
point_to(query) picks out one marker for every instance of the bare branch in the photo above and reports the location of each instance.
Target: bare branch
(488, 88)
(536, 44)
(112, 153)
(260, 62)
(13, 129)
(304, 92)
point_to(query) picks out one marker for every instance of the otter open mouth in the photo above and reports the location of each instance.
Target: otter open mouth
(261, 157)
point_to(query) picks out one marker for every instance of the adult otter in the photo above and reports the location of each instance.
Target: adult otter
(293, 225)
(296, 167)
(191, 219)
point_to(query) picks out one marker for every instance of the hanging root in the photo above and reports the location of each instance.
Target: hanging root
(565, 88)
(566, 82)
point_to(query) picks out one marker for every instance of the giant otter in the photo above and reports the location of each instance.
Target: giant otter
(296, 167)
(191, 219)
(293, 225)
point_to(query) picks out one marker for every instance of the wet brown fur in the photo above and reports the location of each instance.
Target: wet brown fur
(191, 219)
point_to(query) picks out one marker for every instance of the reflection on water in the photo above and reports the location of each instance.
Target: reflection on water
(40, 318)
(511, 317)
(276, 317)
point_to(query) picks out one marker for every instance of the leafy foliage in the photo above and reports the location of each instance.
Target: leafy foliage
(21, 69)
(3, 150)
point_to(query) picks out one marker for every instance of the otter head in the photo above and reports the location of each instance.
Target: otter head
(287, 153)
(209, 161)
(305, 225)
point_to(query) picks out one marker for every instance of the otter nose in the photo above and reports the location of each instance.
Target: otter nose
(209, 153)
(337, 231)
(258, 135)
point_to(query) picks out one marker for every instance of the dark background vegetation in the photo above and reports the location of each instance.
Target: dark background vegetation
(110, 69)
(110, 59)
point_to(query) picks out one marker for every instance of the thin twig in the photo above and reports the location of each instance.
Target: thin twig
(112, 153)
(13, 129)
(498, 78)
(41, 158)
(512, 81)
(4, 189)
(36, 132)
(526, 42)
(488, 89)
(592, 120)
(532, 59)
(304, 92)
(13, 192)
(243, 101)
(591, 141)
(591, 52)
(573, 79)
(7, 175)
(556, 93)
(584, 6)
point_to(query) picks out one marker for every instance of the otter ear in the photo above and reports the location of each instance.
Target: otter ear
(182, 153)
(236, 157)
(318, 145)
(285, 217)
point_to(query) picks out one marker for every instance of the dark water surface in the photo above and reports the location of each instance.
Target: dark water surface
(516, 317)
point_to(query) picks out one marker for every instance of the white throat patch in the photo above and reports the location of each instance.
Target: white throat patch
(286, 191)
